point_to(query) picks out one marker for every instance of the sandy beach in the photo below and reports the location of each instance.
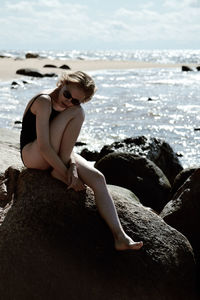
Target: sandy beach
(9, 66)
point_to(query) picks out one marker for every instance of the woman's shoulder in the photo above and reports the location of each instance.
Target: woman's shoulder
(41, 101)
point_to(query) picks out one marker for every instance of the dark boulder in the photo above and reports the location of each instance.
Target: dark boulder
(32, 55)
(49, 66)
(34, 73)
(198, 68)
(54, 245)
(180, 180)
(186, 69)
(89, 155)
(183, 212)
(154, 149)
(50, 75)
(138, 174)
(65, 67)
(29, 72)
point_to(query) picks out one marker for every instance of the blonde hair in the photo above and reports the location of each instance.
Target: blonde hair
(82, 80)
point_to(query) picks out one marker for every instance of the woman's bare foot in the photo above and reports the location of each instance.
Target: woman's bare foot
(124, 242)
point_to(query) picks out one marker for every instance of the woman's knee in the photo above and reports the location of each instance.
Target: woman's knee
(97, 178)
(74, 112)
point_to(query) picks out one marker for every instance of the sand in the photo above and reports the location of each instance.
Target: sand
(9, 66)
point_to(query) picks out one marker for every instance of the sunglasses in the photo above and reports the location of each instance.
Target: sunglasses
(68, 95)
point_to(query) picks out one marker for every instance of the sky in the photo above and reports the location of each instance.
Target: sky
(99, 24)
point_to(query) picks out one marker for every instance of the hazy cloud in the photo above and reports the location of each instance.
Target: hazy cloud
(55, 23)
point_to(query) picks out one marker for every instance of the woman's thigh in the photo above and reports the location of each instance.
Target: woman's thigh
(58, 126)
(32, 157)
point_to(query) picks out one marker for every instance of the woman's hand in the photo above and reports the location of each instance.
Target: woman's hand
(75, 182)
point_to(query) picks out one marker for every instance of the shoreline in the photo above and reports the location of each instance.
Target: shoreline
(9, 66)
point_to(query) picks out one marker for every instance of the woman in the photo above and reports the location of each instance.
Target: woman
(51, 124)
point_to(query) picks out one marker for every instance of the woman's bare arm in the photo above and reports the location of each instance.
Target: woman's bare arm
(42, 109)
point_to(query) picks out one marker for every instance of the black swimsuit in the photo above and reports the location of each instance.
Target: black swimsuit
(28, 132)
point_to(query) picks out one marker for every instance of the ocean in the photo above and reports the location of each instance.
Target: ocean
(162, 103)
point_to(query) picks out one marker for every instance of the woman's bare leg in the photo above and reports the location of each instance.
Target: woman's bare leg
(64, 130)
(95, 179)
(64, 142)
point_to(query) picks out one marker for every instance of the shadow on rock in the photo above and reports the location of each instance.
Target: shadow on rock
(138, 174)
(152, 148)
(54, 245)
(183, 212)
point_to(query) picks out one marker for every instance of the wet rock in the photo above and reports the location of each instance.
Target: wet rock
(34, 73)
(78, 144)
(154, 149)
(186, 69)
(198, 68)
(14, 85)
(138, 174)
(32, 55)
(54, 245)
(50, 75)
(183, 213)
(49, 66)
(180, 179)
(89, 155)
(66, 67)
(29, 72)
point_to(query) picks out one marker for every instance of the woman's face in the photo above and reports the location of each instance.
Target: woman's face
(70, 95)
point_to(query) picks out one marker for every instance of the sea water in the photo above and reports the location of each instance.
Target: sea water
(162, 103)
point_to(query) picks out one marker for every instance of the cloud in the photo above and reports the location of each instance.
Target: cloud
(54, 24)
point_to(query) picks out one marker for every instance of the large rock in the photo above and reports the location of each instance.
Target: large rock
(32, 55)
(152, 148)
(29, 72)
(183, 212)
(180, 179)
(34, 73)
(138, 174)
(186, 69)
(54, 245)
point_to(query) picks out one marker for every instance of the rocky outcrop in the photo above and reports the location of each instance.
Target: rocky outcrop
(34, 73)
(32, 55)
(186, 69)
(65, 67)
(183, 212)
(138, 174)
(49, 66)
(54, 245)
(154, 149)
(180, 180)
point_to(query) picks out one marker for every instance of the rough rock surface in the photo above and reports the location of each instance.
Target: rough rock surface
(34, 73)
(54, 245)
(152, 148)
(138, 174)
(183, 212)
(180, 180)
(32, 55)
